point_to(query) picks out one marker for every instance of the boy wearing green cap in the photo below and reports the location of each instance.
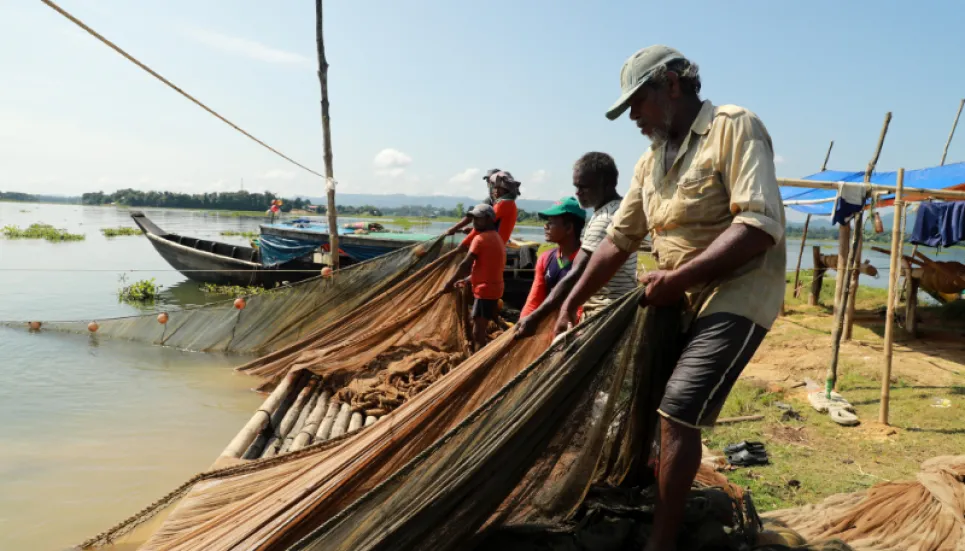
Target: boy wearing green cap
(564, 224)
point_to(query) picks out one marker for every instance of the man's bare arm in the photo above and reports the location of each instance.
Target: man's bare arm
(604, 264)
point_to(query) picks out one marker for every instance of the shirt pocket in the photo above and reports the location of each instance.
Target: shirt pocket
(701, 198)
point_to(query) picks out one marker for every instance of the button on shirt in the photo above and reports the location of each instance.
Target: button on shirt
(723, 174)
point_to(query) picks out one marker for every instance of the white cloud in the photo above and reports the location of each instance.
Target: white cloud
(248, 48)
(279, 174)
(465, 176)
(391, 162)
(778, 159)
(538, 177)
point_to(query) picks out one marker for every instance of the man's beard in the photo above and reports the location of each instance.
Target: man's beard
(660, 135)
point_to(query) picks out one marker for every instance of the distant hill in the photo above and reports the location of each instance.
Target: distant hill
(435, 201)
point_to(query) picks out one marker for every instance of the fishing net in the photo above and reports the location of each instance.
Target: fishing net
(926, 514)
(520, 437)
(272, 319)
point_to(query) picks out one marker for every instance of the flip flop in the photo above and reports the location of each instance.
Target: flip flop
(741, 446)
(844, 417)
(747, 458)
(820, 401)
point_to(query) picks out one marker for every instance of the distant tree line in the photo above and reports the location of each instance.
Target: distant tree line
(231, 200)
(29, 198)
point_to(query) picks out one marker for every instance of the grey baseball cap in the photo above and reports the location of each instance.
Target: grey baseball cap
(482, 210)
(637, 71)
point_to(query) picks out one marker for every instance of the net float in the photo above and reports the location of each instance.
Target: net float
(419, 251)
(162, 318)
(34, 325)
(326, 272)
(93, 327)
(240, 303)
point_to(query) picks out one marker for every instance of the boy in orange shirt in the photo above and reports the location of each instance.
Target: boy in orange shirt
(484, 265)
(503, 191)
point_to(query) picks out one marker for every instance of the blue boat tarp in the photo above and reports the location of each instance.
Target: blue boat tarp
(939, 177)
(277, 250)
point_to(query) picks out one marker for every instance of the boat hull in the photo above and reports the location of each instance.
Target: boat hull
(220, 263)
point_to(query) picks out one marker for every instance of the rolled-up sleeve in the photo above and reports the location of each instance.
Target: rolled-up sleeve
(749, 174)
(630, 226)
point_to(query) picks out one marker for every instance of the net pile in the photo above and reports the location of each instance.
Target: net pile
(927, 514)
(521, 434)
(272, 319)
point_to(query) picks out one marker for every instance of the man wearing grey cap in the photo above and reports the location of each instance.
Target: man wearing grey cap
(707, 193)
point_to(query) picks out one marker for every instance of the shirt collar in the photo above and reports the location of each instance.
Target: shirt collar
(704, 118)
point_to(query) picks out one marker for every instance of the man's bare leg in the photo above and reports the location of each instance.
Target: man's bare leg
(679, 461)
(479, 332)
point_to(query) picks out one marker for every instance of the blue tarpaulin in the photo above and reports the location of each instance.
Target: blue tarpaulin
(277, 250)
(939, 224)
(939, 177)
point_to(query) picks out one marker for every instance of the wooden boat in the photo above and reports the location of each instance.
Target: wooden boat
(221, 263)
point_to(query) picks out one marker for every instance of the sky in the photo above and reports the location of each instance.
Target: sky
(428, 94)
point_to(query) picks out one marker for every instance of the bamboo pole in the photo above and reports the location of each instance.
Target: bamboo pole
(859, 228)
(327, 136)
(259, 420)
(341, 421)
(302, 417)
(288, 421)
(844, 240)
(824, 165)
(832, 377)
(356, 422)
(369, 420)
(952, 133)
(305, 436)
(325, 430)
(896, 239)
(797, 269)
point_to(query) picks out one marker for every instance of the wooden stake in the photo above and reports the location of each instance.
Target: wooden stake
(274, 445)
(356, 422)
(896, 238)
(804, 238)
(859, 229)
(818, 280)
(327, 136)
(952, 133)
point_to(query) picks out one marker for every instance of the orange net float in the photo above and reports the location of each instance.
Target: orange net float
(162, 318)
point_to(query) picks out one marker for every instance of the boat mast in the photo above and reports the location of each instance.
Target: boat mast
(327, 137)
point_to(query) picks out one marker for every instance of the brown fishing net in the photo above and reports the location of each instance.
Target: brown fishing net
(927, 514)
(270, 320)
(523, 435)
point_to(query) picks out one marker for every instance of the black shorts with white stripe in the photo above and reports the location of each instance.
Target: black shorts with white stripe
(717, 349)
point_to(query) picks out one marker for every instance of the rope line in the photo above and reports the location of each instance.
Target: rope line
(174, 87)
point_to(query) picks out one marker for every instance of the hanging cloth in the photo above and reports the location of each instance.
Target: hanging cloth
(850, 201)
(939, 224)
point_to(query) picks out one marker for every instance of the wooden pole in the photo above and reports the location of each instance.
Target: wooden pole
(832, 378)
(859, 231)
(871, 188)
(952, 133)
(824, 165)
(818, 280)
(804, 238)
(896, 238)
(260, 419)
(844, 240)
(327, 136)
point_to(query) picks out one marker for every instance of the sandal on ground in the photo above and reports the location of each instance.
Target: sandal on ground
(748, 458)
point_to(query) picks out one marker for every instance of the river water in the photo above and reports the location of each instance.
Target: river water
(94, 430)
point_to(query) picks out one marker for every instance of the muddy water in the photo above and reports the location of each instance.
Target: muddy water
(93, 430)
